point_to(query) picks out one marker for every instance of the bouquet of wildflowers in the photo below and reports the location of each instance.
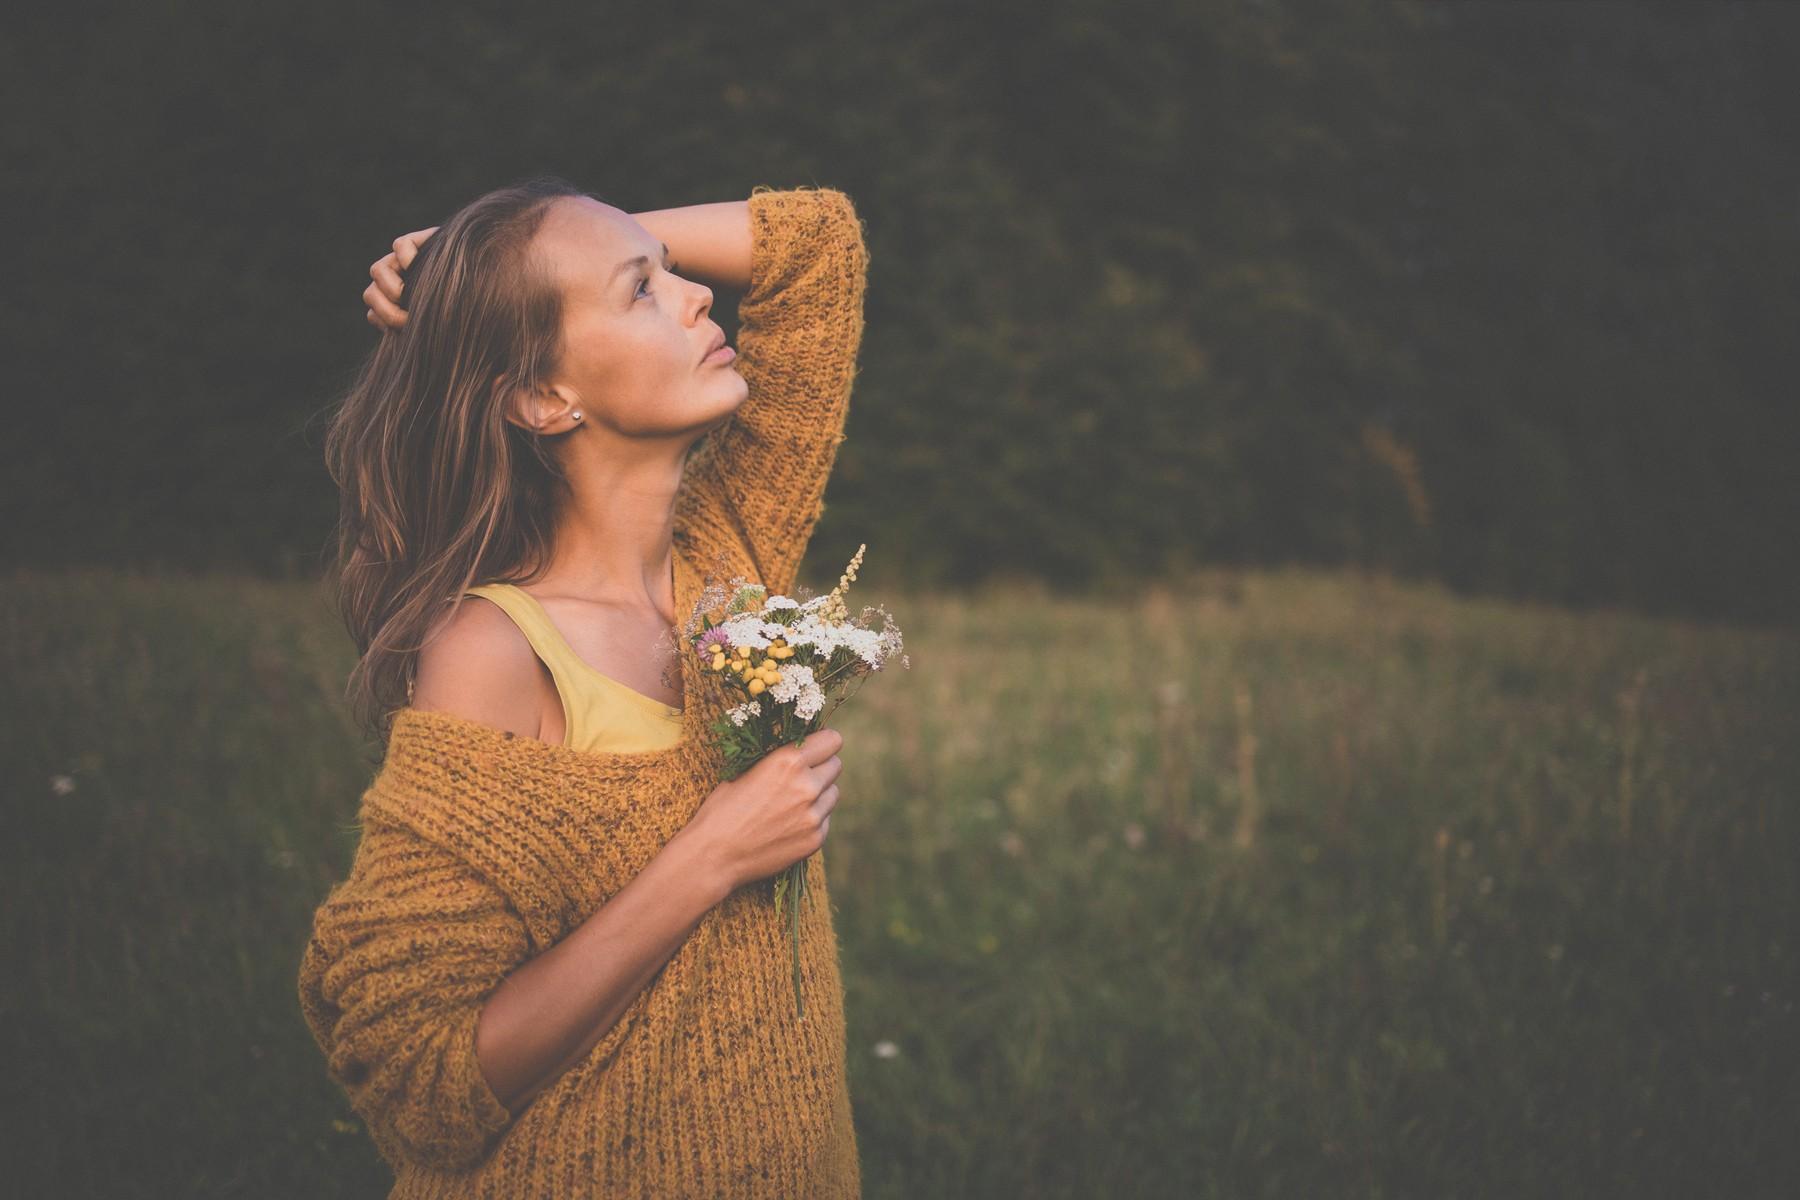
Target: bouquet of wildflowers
(785, 662)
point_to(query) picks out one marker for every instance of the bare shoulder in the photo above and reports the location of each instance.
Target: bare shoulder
(479, 666)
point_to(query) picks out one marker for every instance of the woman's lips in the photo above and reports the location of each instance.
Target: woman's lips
(723, 354)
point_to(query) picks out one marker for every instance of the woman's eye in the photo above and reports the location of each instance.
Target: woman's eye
(642, 284)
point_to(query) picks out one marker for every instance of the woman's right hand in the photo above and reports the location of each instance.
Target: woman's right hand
(383, 295)
(774, 814)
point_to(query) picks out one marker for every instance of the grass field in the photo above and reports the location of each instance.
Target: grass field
(1279, 884)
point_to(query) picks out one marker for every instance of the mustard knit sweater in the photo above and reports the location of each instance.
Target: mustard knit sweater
(481, 849)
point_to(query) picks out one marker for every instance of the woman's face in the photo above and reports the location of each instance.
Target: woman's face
(634, 333)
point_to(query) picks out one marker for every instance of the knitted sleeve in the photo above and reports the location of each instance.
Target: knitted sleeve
(762, 474)
(403, 954)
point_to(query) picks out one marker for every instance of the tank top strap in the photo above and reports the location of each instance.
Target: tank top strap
(535, 624)
(599, 713)
(573, 675)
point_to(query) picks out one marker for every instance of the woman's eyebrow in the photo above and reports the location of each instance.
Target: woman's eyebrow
(641, 260)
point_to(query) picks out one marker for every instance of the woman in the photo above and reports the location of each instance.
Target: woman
(547, 973)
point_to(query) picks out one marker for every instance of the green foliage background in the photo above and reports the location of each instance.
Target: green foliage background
(1494, 292)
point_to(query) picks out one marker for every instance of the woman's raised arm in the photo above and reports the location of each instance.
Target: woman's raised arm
(708, 242)
(764, 471)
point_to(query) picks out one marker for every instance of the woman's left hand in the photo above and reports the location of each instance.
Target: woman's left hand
(383, 295)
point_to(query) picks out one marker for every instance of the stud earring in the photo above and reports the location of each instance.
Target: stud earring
(578, 416)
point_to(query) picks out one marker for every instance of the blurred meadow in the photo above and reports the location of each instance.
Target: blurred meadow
(1264, 883)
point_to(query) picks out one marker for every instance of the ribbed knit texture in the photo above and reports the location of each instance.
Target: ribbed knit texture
(481, 849)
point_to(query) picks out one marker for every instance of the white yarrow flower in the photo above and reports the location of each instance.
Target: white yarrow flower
(811, 631)
(797, 685)
(746, 629)
(865, 644)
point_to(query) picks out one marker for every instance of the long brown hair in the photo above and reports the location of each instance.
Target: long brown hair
(437, 490)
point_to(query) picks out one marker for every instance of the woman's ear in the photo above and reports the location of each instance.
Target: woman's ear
(547, 411)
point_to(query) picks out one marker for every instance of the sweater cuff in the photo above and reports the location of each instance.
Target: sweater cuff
(489, 1115)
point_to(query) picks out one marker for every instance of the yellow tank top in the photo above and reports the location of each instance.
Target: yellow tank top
(599, 713)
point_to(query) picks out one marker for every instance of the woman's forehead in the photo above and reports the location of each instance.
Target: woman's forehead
(590, 243)
(587, 232)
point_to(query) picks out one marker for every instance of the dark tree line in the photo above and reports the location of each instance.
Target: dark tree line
(1500, 293)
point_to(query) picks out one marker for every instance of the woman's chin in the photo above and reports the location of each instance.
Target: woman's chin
(737, 392)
